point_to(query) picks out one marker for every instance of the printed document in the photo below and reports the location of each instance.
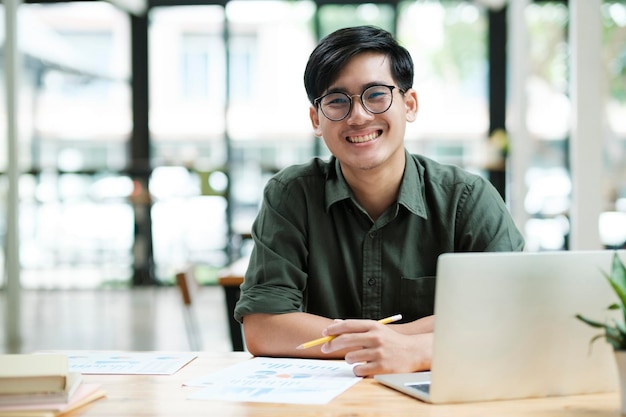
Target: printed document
(127, 363)
(277, 380)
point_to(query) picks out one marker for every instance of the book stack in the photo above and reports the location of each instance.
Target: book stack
(41, 385)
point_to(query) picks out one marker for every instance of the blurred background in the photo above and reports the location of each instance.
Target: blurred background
(146, 137)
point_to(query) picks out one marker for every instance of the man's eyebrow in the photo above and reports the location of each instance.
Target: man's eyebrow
(339, 89)
(335, 90)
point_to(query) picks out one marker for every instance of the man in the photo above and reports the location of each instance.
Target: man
(342, 243)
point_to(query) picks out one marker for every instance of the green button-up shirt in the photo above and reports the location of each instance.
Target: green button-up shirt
(317, 250)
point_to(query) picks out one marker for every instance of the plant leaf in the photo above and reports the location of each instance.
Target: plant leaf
(593, 339)
(592, 323)
(617, 278)
(614, 331)
(614, 337)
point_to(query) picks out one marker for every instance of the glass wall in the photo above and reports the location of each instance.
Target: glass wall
(613, 221)
(336, 16)
(187, 93)
(228, 109)
(447, 41)
(76, 227)
(223, 118)
(548, 178)
(267, 120)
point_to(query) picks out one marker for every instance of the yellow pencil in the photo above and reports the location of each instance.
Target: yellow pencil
(329, 338)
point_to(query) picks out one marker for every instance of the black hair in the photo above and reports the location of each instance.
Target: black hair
(333, 52)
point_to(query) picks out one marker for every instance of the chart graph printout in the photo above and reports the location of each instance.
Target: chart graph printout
(127, 363)
(277, 380)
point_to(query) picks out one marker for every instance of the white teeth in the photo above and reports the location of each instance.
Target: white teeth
(361, 139)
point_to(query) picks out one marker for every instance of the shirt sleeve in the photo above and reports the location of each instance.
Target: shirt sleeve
(276, 276)
(483, 222)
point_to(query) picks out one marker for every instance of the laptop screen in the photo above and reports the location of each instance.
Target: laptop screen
(505, 325)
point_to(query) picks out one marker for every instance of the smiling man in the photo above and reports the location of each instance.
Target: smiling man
(339, 244)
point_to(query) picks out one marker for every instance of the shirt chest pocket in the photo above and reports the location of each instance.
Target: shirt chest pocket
(417, 297)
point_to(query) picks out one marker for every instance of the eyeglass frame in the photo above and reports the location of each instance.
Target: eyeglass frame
(317, 101)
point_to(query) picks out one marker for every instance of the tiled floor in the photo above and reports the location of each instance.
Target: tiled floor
(137, 319)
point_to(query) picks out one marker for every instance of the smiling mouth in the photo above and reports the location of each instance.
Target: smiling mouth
(364, 138)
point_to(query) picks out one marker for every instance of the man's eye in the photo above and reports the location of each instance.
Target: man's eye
(337, 101)
(375, 95)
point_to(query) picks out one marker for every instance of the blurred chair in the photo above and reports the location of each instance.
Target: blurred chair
(188, 286)
(230, 278)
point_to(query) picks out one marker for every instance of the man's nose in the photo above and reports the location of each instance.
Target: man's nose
(358, 109)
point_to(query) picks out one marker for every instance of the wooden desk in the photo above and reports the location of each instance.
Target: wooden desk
(141, 395)
(230, 278)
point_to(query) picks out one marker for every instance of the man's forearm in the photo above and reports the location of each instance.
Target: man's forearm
(280, 334)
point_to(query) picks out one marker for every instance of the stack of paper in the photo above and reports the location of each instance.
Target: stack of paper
(41, 385)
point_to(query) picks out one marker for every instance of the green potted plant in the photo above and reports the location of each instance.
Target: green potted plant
(614, 330)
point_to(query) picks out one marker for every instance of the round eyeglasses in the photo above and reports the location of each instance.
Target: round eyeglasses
(337, 106)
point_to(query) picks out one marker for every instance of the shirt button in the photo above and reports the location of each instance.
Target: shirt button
(372, 235)
(371, 282)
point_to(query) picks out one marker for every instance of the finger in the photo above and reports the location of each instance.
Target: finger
(347, 342)
(367, 369)
(338, 343)
(359, 356)
(351, 326)
(333, 329)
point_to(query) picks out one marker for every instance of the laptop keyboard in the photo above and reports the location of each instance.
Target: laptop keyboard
(423, 387)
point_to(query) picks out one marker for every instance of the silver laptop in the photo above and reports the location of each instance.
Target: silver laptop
(505, 328)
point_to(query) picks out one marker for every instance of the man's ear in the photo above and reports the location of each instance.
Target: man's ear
(315, 121)
(411, 105)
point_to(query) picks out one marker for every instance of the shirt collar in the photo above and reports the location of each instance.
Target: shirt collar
(411, 188)
(337, 188)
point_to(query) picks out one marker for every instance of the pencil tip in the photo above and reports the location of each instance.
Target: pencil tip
(300, 347)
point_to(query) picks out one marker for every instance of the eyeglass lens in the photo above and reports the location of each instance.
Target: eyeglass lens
(376, 99)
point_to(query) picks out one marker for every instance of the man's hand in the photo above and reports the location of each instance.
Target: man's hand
(379, 349)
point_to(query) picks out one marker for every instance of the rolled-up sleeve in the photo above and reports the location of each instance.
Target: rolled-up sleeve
(276, 276)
